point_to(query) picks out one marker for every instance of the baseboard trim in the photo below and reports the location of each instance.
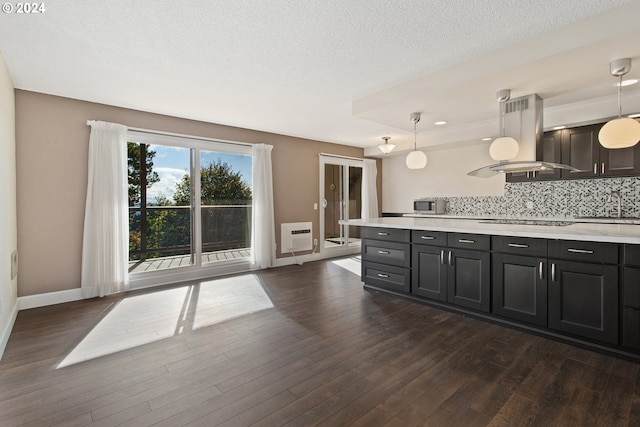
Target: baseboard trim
(4, 338)
(301, 259)
(49, 298)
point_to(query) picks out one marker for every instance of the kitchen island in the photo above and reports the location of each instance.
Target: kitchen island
(578, 282)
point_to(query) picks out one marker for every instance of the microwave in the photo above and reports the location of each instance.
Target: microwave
(429, 206)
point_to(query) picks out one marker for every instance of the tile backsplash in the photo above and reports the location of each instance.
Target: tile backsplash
(556, 199)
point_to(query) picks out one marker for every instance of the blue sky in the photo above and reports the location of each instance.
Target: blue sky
(171, 163)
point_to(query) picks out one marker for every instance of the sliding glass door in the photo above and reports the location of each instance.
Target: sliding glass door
(341, 196)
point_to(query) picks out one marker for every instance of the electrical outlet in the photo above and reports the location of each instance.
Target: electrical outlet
(14, 264)
(1, 306)
(315, 242)
(529, 204)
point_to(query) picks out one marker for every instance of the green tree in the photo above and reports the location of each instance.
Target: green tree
(219, 185)
(134, 171)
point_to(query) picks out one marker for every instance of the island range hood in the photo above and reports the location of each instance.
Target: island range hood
(522, 121)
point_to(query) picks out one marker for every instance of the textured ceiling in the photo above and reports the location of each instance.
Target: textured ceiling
(327, 70)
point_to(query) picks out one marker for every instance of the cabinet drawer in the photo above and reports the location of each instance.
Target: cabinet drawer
(391, 253)
(632, 255)
(631, 290)
(434, 238)
(388, 277)
(480, 242)
(387, 234)
(594, 252)
(519, 245)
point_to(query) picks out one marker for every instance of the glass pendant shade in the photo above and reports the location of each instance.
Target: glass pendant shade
(620, 133)
(385, 147)
(503, 148)
(416, 160)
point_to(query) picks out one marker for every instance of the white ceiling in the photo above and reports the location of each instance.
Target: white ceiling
(347, 72)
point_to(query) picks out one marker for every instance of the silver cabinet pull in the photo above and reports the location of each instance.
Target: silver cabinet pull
(517, 245)
(381, 233)
(540, 270)
(450, 258)
(553, 272)
(602, 169)
(580, 251)
(427, 238)
(384, 252)
(384, 276)
(466, 241)
(595, 169)
(442, 257)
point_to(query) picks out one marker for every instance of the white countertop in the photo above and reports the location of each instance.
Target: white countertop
(592, 232)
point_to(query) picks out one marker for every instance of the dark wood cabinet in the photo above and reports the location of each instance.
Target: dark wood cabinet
(631, 297)
(549, 149)
(583, 299)
(519, 288)
(581, 149)
(386, 258)
(448, 273)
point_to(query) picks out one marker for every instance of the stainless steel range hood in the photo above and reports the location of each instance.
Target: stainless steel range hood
(522, 121)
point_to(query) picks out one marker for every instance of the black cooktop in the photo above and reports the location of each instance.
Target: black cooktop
(527, 222)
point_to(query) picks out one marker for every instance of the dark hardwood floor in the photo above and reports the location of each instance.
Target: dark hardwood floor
(297, 346)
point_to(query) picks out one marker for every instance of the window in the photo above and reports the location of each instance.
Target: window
(189, 202)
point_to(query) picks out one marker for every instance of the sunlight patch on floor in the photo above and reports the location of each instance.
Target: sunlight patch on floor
(145, 318)
(352, 264)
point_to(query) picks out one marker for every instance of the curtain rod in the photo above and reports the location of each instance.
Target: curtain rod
(180, 135)
(338, 156)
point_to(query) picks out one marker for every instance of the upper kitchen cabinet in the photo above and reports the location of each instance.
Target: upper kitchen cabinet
(581, 149)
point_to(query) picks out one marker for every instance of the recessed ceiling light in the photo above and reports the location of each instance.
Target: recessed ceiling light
(627, 82)
(487, 139)
(440, 122)
(634, 116)
(558, 127)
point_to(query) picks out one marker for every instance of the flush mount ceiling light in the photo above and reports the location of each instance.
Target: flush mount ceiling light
(626, 83)
(622, 132)
(416, 159)
(503, 148)
(440, 122)
(386, 147)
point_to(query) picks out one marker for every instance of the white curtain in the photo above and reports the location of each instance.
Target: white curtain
(369, 190)
(263, 234)
(105, 245)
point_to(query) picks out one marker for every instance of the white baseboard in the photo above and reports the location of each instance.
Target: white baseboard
(4, 337)
(49, 298)
(301, 259)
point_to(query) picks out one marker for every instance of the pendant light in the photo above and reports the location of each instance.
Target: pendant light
(503, 148)
(416, 159)
(385, 147)
(622, 132)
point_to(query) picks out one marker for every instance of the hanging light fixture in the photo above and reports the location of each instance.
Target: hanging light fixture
(385, 147)
(622, 132)
(503, 148)
(416, 159)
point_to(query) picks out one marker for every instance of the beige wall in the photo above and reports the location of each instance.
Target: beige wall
(52, 139)
(8, 226)
(445, 175)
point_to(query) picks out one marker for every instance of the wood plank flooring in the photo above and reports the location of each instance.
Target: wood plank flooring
(296, 346)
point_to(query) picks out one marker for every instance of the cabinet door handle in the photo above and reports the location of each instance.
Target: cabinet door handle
(427, 238)
(466, 241)
(580, 251)
(381, 233)
(602, 169)
(517, 245)
(553, 272)
(442, 257)
(450, 263)
(540, 270)
(595, 169)
(384, 252)
(384, 276)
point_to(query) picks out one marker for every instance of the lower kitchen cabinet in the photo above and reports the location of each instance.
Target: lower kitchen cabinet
(429, 272)
(583, 299)
(469, 279)
(519, 288)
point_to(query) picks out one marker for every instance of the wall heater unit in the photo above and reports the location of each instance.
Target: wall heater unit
(296, 237)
